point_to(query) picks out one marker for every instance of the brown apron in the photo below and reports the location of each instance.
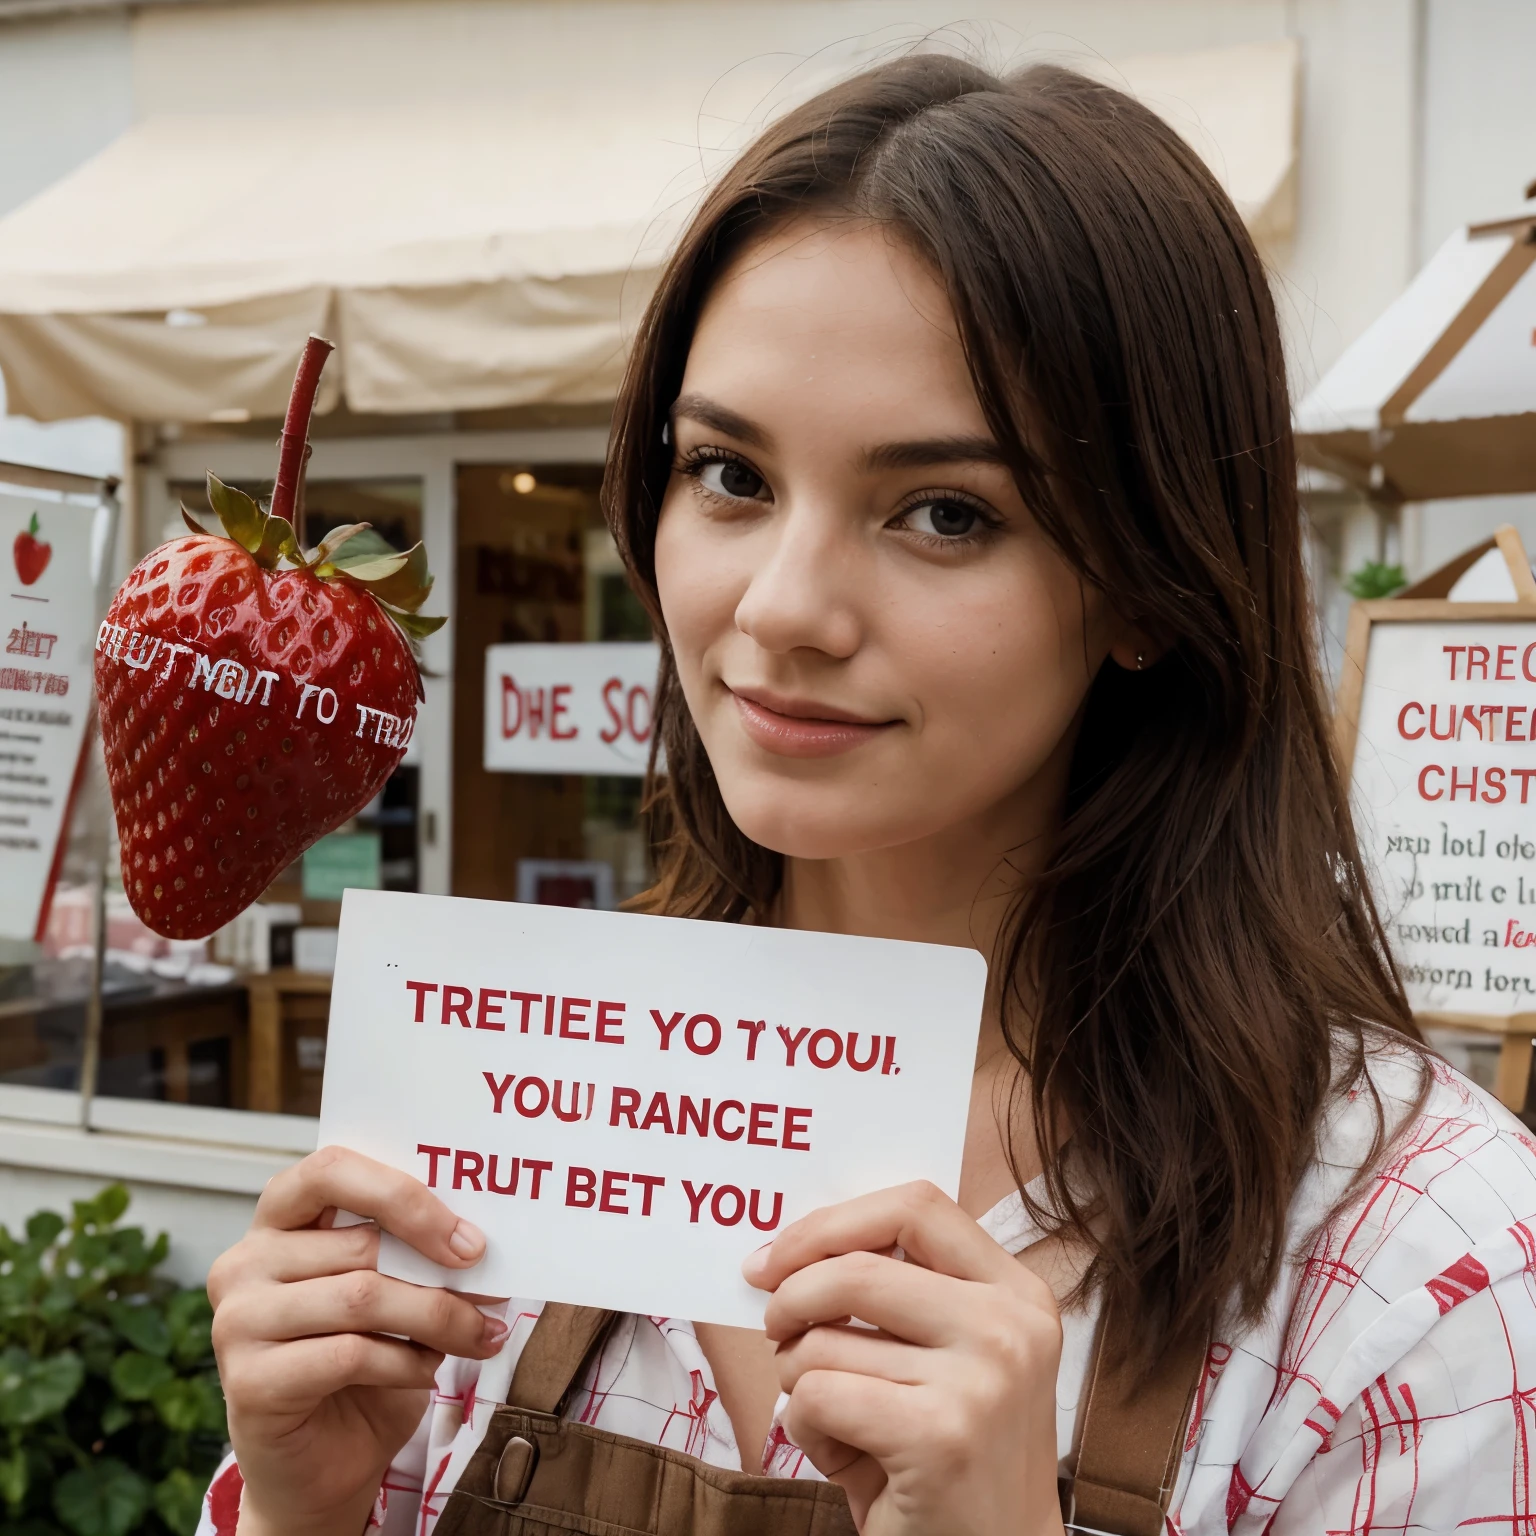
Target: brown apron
(535, 1474)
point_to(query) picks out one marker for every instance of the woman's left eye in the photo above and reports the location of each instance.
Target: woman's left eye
(942, 519)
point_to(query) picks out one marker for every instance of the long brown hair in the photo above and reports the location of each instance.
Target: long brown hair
(1202, 944)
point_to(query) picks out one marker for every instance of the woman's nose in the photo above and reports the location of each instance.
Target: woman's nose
(804, 593)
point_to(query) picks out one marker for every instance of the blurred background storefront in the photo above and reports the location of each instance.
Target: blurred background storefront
(472, 197)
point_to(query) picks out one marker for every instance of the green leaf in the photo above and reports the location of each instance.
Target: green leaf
(115, 1416)
(59, 1300)
(33, 1389)
(104, 1498)
(1375, 578)
(179, 1404)
(364, 571)
(414, 625)
(243, 520)
(277, 543)
(14, 1477)
(190, 1317)
(408, 588)
(137, 1377)
(43, 1227)
(144, 1326)
(110, 1204)
(334, 540)
(211, 1399)
(192, 523)
(179, 1501)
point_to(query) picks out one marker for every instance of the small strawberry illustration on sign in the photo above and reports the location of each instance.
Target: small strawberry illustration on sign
(30, 553)
(253, 695)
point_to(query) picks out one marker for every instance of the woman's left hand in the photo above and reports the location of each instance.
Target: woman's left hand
(944, 1421)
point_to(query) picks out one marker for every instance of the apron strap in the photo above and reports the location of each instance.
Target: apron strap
(549, 1367)
(1133, 1435)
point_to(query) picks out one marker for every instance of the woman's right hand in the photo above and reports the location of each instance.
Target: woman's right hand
(320, 1400)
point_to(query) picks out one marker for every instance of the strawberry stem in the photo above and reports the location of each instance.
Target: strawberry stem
(293, 445)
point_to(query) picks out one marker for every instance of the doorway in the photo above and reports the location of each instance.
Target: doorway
(536, 563)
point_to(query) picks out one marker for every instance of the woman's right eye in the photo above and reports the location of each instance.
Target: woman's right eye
(733, 479)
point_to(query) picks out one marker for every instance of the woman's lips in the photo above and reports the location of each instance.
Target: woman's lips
(793, 728)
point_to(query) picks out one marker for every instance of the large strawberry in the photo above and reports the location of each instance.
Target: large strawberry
(247, 708)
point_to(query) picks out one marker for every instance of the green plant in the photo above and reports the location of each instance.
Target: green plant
(110, 1409)
(1375, 578)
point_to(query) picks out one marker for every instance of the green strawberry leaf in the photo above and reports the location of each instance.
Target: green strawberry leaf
(192, 523)
(137, 1377)
(277, 542)
(414, 625)
(34, 1389)
(115, 1416)
(407, 588)
(243, 519)
(334, 540)
(365, 572)
(179, 1501)
(102, 1498)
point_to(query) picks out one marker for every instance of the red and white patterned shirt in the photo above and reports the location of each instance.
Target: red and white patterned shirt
(1390, 1387)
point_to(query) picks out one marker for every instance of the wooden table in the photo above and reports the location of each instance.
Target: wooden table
(267, 991)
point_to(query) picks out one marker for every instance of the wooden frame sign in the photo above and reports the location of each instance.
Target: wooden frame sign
(1437, 737)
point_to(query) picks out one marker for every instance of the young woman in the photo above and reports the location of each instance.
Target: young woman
(954, 464)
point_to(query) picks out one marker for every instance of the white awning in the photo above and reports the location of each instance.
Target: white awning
(466, 260)
(1438, 397)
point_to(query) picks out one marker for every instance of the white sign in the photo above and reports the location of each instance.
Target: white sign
(628, 1105)
(46, 602)
(1444, 784)
(569, 708)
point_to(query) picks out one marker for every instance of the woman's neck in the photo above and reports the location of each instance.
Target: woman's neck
(952, 887)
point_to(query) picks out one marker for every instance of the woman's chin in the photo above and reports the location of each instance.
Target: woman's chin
(838, 829)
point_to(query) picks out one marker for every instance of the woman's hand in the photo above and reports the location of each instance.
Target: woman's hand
(943, 1423)
(320, 1401)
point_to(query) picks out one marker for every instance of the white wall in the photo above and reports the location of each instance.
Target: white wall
(1479, 155)
(65, 93)
(1479, 113)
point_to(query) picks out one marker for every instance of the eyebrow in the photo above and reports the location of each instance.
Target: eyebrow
(921, 452)
(917, 453)
(709, 413)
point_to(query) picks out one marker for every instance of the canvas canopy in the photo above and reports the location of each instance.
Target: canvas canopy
(463, 260)
(1438, 397)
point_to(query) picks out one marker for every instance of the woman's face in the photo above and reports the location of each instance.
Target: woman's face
(876, 641)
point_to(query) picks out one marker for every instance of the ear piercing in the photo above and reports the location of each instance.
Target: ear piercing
(1141, 661)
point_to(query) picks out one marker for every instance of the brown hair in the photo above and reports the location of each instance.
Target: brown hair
(1202, 941)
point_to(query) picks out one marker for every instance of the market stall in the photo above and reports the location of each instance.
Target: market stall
(1438, 400)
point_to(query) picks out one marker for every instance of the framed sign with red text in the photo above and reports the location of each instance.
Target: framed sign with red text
(569, 708)
(1437, 733)
(47, 608)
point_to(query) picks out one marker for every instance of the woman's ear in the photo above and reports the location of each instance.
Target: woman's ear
(1135, 650)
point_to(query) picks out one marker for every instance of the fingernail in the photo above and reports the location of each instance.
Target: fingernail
(755, 1265)
(495, 1332)
(467, 1240)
